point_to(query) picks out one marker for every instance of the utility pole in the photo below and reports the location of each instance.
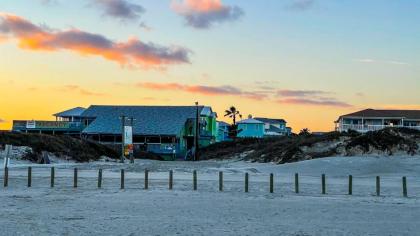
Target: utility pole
(197, 132)
(122, 138)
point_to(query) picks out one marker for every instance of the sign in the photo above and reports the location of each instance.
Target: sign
(128, 140)
(30, 124)
(128, 135)
(6, 156)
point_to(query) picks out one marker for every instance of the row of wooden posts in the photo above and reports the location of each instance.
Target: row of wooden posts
(171, 179)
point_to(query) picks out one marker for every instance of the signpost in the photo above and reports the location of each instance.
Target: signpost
(8, 150)
(127, 147)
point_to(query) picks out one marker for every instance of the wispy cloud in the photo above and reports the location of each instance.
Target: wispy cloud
(315, 102)
(203, 89)
(81, 91)
(203, 14)
(120, 9)
(309, 97)
(301, 93)
(301, 5)
(376, 61)
(133, 53)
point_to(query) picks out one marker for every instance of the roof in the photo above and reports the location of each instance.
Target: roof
(77, 111)
(370, 113)
(222, 123)
(148, 120)
(250, 121)
(269, 120)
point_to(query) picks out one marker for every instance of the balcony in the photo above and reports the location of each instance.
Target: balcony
(367, 128)
(23, 125)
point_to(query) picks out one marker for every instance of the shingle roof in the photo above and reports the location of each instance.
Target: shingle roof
(269, 120)
(77, 111)
(407, 114)
(149, 120)
(250, 121)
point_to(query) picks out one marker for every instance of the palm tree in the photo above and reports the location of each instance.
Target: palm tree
(304, 132)
(232, 112)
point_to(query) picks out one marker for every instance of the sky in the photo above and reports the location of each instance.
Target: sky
(307, 61)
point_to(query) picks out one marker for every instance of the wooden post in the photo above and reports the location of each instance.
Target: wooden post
(324, 189)
(75, 178)
(221, 181)
(122, 178)
(100, 178)
(296, 182)
(246, 182)
(6, 177)
(52, 177)
(350, 184)
(404, 182)
(271, 183)
(146, 179)
(378, 186)
(171, 179)
(29, 177)
(194, 180)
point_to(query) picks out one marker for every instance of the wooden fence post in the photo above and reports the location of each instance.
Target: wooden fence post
(271, 183)
(100, 178)
(296, 183)
(6, 177)
(29, 177)
(220, 181)
(52, 177)
(171, 179)
(122, 178)
(75, 178)
(146, 179)
(378, 186)
(246, 182)
(404, 182)
(350, 184)
(194, 180)
(324, 189)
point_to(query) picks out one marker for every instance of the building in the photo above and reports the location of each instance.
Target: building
(69, 122)
(275, 127)
(165, 130)
(250, 128)
(222, 131)
(371, 120)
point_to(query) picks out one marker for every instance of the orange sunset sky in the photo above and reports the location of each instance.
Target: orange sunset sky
(307, 61)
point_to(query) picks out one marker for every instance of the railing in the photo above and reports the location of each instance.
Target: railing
(367, 128)
(41, 124)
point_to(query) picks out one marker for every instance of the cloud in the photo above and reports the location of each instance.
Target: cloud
(203, 89)
(120, 9)
(81, 91)
(301, 93)
(133, 53)
(301, 5)
(375, 61)
(315, 102)
(203, 14)
(309, 97)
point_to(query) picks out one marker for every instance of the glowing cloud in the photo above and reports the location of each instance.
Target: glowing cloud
(202, 89)
(203, 14)
(132, 53)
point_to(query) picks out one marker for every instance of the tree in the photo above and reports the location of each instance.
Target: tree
(232, 112)
(305, 132)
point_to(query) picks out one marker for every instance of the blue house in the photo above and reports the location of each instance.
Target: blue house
(275, 127)
(251, 128)
(222, 131)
